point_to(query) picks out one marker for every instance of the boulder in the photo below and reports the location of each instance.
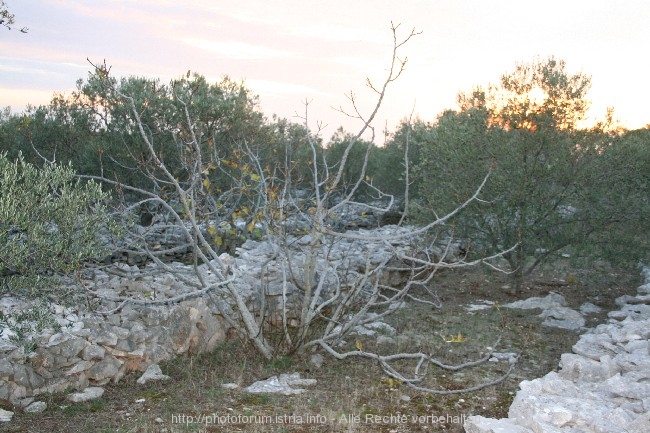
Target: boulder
(562, 317)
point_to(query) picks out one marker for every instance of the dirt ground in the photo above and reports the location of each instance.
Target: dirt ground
(354, 395)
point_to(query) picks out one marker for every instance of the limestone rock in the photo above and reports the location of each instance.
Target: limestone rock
(596, 345)
(480, 424)
(576, 367)
(640, 425)
(317, 360)
(604, 386)
(153, 372)
(90, 393)
(93, 352)
(36, 407)
(282, 384)
(562, 317)
(589, 308)
(549, 301)
(105, 370)
(543, 412)
(5, 415)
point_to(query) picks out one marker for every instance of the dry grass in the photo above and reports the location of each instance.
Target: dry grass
(352, 392)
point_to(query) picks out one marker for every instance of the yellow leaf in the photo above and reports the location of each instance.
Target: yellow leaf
(456, 338)
(206, 184)
(218, 241)
(358, 345)
(255, 177)
(312, 210)
(251, 226)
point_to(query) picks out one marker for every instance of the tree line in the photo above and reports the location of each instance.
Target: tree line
(555, 185)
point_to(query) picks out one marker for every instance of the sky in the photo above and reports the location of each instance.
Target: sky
(289, 52)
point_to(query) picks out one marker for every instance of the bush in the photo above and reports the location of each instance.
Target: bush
(48, 224)
(553, 188)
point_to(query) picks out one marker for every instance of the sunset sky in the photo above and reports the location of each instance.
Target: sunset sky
(290, 51)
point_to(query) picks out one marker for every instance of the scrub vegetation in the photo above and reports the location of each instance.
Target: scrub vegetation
(511, 180)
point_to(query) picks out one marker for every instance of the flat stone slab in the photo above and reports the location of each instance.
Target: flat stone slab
(563, 317)
(282, 384)
(549, 301)
(90, 393)
(5, 415)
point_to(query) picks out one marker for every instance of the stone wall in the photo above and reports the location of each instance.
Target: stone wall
(98, 349)
(168, 240)
(101, 340)
(603, 387)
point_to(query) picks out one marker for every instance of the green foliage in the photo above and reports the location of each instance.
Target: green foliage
(550, 183)
(390, 173)
(48, 224)
(287, 154)
(93, 127)
(618, 189)
(27, 322)
(356, 166)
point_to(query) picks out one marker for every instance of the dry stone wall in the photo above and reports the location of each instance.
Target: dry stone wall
(603, 387)
(100, 341)
(98, 349)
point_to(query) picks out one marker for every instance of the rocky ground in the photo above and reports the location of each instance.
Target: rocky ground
(601, 387)
(354, 395)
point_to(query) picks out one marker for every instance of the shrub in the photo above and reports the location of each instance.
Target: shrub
(48, 224)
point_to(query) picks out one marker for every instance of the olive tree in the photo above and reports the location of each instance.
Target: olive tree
(50, 224)
(618, 189)
(539, 196)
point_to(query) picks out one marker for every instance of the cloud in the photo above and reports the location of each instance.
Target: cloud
(337, 33)
(275, 88)
(236, 50)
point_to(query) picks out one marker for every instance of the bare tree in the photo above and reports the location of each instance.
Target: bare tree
(324, 298)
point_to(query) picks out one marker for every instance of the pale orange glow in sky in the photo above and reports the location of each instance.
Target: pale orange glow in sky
(290, 51)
